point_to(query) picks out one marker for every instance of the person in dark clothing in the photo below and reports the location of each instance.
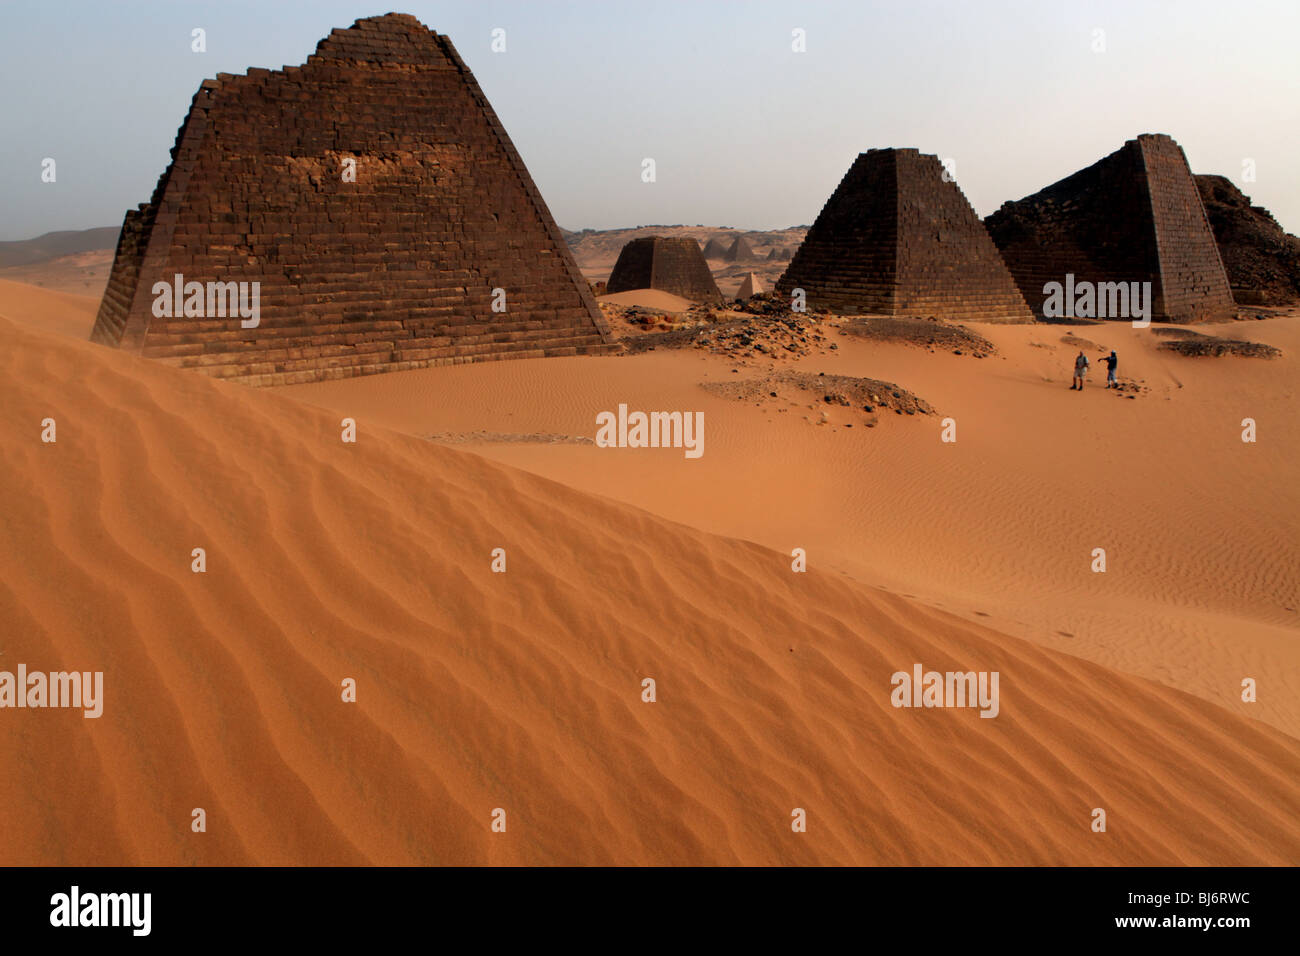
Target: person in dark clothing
(1111, 361)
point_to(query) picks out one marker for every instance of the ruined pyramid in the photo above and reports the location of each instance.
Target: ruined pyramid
(673, 265)
(715, 248)
(375, 206)
(897, 237)
(740, 251)
(1262, 260)
(1133, 216)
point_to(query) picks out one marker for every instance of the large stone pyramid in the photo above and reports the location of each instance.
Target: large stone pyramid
(409, 264)
(897, 237)
(673, 265)
(1134, 216)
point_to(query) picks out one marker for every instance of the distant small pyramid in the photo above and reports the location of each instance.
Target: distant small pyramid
(715, 248)
(673, 265)
(774, 254)
(740, 251)
(752, 285)
(897, 237)
(1133, 216)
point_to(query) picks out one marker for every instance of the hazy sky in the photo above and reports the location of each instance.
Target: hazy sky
(744, 131)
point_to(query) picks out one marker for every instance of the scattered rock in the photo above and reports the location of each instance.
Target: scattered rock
(841, 391)
(1198, 345)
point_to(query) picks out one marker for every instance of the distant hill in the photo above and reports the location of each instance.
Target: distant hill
(56, 245)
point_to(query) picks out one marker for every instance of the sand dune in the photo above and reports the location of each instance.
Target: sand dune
(1200, 529)
(66, 313)
(649, 299)
(522, 690)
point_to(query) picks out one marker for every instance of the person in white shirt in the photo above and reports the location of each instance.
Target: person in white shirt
(1080, 369)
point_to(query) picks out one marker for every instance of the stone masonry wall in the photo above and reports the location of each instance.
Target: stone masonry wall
(673, 265)
(947, 265)
(896, 238)
(1133, 216)
(395, 270)
(1193, 283)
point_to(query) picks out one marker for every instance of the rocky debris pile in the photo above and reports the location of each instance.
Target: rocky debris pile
(827, 398)
(629, 323)
(1261, 258)
(742, 335)
(1200, 345)
(1127, 388)
(930, 333)
(776, 305)
(788, 337)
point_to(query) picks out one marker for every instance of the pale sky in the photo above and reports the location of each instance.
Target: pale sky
(744, 131)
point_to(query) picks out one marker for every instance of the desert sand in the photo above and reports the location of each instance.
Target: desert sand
(650, 299)
(522, 690)
(66, 313)
(1200, 529)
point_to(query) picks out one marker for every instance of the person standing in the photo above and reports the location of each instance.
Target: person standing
(1111, 361)
(1080, 369)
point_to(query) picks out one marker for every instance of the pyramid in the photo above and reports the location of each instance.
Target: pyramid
(740, 251)
(715, 248)
(752, 285)
(438, 250)
(897, 237)
(1133, 216)
(670, 264)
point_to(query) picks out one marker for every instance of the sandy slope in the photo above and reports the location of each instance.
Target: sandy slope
(519, 690)
(649, 299)
(48, 310)
(1202, 531)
